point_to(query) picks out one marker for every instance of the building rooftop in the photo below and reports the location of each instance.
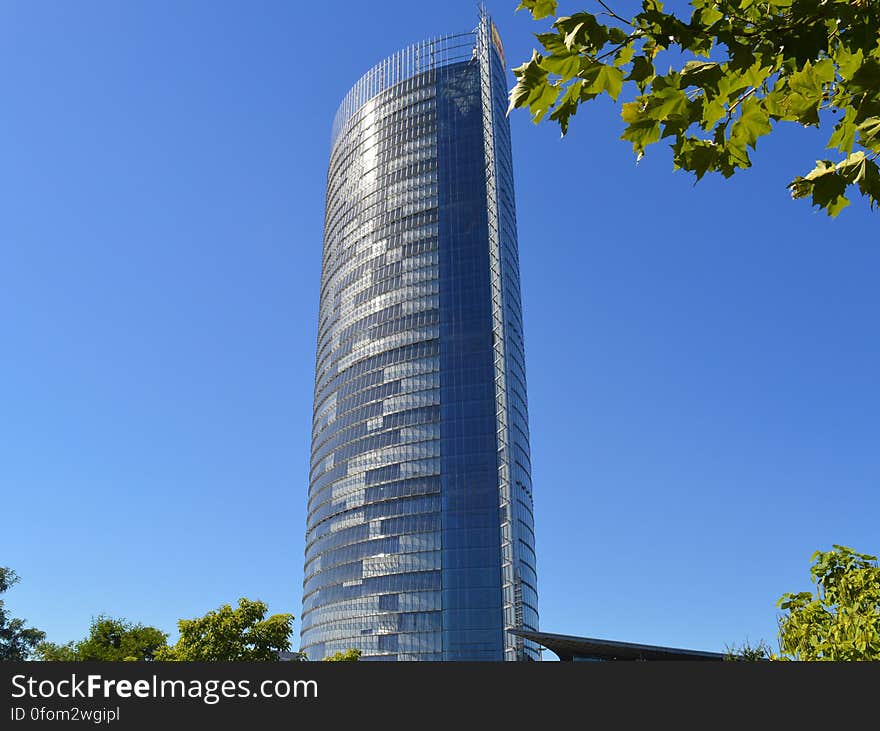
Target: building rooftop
(569, 648)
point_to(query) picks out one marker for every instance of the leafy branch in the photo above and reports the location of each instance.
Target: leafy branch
(752, 65)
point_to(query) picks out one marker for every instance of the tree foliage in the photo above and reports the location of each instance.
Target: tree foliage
(747, 66)
(232, 634)
(52, 652)
(109, 640)
(841, 621)
(347, 656)
(17, 642)
(748, 652)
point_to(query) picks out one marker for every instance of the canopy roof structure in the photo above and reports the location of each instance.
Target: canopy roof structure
(569, 648)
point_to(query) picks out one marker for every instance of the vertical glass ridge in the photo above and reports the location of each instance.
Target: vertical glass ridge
(519, 577)
(419, 540)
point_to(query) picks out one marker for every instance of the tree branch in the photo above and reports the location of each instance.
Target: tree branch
(613, 14)
(739, 101)
(634, 37)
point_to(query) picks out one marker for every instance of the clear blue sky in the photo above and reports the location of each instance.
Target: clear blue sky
(702, 361)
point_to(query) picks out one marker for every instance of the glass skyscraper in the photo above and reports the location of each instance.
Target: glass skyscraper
(420, 543)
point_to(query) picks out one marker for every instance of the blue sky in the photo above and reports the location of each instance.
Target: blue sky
(702, 360)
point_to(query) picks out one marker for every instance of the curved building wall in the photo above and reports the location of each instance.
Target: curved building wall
(414, 536)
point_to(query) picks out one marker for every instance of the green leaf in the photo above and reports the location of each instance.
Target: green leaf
(824, 71)
(847, 62)
(757, 73)
(553, 43)
(710, 16)
(752, 123)
(712, 112)
(825, 185)
(844, 135)
(538, 8)
(531, 86)
(703, 74)
(582, 32)
(853, 167)
(775, 104)
(695, 155)
(866, 78)
(735, 155)
(805, 93)
(567, 105)
(828, 193)
(617, 36)
(667, 101)
(642, 134)
(564, 66)
(541, 100)
(641, 130)
(604, 78)
(571, 37)
(624, 55)
(731, 86)
(642, 72)
(869, 132)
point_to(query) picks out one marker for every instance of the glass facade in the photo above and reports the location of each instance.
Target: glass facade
(419, 542)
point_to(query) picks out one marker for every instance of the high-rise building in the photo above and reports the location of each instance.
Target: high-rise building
(420, 543)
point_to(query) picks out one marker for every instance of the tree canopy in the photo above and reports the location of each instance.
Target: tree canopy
(17, 642)
(243, 633)
(742, 67)
(841, 621)
(347, 656)
(109, 640)
(224, 634)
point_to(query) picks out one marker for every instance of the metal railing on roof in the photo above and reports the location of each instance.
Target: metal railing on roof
(406, 63)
